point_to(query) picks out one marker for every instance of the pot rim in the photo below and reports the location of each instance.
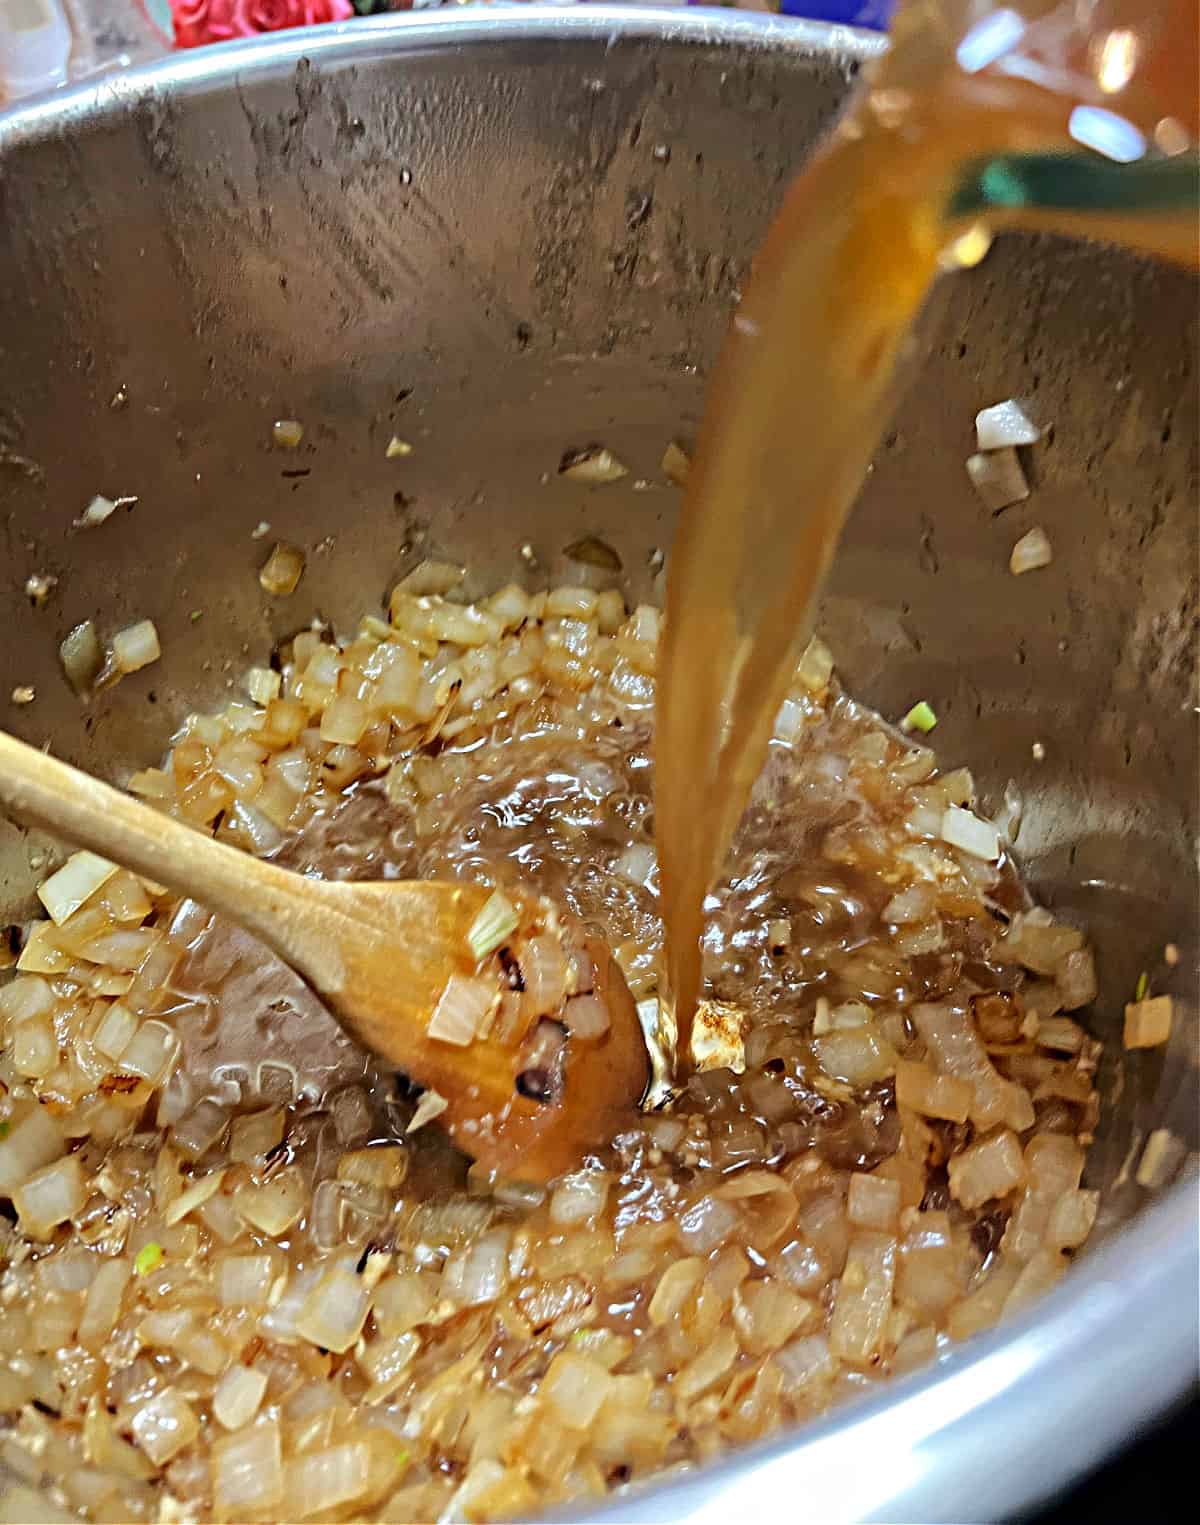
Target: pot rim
(243, 59)
(1108, 1350)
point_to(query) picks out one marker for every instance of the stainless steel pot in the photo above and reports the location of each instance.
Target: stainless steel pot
(503, 235)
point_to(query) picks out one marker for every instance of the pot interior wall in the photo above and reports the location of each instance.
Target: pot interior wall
(504, 251)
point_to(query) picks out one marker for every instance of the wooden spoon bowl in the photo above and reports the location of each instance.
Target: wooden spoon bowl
(380, 956)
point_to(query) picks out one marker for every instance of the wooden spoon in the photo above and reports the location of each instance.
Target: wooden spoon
(379, 954)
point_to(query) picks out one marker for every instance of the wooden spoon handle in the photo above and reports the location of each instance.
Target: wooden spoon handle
(40, 789)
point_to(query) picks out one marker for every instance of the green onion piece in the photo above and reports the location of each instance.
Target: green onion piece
(402, 1456)
(1142, 988)
(148, 1257)
(4, 1129)
(494, 925)
(920, 718)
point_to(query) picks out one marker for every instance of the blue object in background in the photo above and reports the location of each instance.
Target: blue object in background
(869, 13)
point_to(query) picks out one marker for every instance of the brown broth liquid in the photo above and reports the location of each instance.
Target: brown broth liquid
(803, 388)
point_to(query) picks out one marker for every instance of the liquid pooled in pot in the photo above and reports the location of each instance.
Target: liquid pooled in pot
(245, 1276)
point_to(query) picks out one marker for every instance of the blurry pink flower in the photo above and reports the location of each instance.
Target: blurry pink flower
(201, 21)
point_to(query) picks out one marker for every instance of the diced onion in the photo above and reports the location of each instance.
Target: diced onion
(815, 667)
(401, 1302)
(910, 905)
(858, 1056)
(805, 1361)
(344, 720)
(97, 511)
(510, 605)
(1039, 943)
(1161, 1159)
(50, 1196)
(1053, 1166)
(383, 1166)
(463, 1008)
(39, 955)
(247, 1472)
(1005, 425)
(495, 924)
(596, 465)
(998, 478)
(287, 432)
(254, 1134)
(773, 1208)
(282, 570)
(707, 1367)
(163, 1425)
(1032, 551)
(81, 656)
(644, 624)
(573, 1389)
(200, 1130)
(33, 1047)
(638, 865)
(279, 1322)
(261, 832)
(1148, 1022)
(571, 603)
(194, 1196)
(864, 1299)
(237, 1395)
(586, 1016)
(1071, 1219)
(220, 1218)
(1061, 1035)
(544, 970)
(675, 1286)
(431, 1104)
(323, 1480)
(124, 948)
(675, 465)
(580, 1197)
(590, 552)
(74, 884)
(102, 1306)
(136, 646)
(480, 1273)
(990, 1168)
(25, 998)
(962, 828)
(38, 588)
(708, 1223)
(432, 577)
(1075, 976)
(352, 1116)
(151, 1053)
(274, 1205)
(262, 685)
(323, 1312)
(387, 1359)
(767, 1314)
(333, 1313)
(873, 1202)
(922, 1090)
